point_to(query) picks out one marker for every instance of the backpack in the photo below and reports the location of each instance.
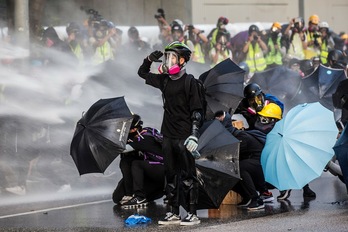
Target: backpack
(154, 133)
(201, 92)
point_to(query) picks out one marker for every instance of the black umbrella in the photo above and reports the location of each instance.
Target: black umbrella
(321, 85)
(224, 86)
(218, 166)
(100, 135)
(281, 82)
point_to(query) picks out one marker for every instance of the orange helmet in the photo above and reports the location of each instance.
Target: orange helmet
(344, 36)
(276, 25)
(314, 19)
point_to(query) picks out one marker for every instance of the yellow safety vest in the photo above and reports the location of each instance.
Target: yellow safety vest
(255, 59)
(311, 51)
(324, 53)
(296, 49)
(274, 56)
(102, 54)
(198, 55)
(78, 52)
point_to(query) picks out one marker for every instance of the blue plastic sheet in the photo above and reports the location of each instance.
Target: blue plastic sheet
(137, 219)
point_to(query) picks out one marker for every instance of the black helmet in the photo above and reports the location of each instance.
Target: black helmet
(252, 90)
(253, 28)
(133, 32)
(72, 27)
(136, 123)
(335, 59)
(306, 67)
(179, 48)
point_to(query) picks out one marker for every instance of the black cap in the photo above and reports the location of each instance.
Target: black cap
(253, 28)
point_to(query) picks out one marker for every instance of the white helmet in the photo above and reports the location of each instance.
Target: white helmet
(323, 25)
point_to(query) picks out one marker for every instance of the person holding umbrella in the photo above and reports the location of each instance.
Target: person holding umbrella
(180, 127)
(251, 145)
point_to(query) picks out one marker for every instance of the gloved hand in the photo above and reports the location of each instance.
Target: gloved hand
(191, 143)
(154, 56)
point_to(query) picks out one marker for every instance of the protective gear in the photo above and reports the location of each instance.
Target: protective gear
(335, 59)
(136, 122)
(191, 143)
(323, 25)
(252, 90)
(171, 63)
(154, 56)
(181, 49)
(271, 110)
(253, 28)
(72, 28)
(314, 19)
(298, 24)
(276, 26)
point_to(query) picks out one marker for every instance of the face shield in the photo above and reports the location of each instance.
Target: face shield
(170, 59)
(257, 102)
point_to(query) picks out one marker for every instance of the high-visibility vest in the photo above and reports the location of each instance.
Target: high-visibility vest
(78, 52)
(198, 55)
(311, 51)
(255, 59)
(296, 49)
(324, 52)
(221, 58)
(103, 53)
(274, 56)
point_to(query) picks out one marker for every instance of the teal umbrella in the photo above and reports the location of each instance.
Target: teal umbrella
(299, 146)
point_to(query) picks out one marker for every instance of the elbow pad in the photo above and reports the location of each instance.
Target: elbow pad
(196, 119)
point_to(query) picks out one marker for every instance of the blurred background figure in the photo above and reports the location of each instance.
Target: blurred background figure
(220, 27)
(313, 38)
(327, 42)
(296, 39)
(135, 43)
(197, 42)
(276, 52)
(220, 51)
(77, 42)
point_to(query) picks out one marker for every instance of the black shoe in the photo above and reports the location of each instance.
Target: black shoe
(135, 202)
(256, 204)
(244, 203)
(170, 219)
(267, 196)
(307, 192)
(285, 194)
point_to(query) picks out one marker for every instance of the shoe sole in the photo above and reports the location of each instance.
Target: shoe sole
(190, 223)
(174, 222)
(257, 208)
(142, 205)
(270, 199)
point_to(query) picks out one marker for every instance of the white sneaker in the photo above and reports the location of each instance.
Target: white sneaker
(170, 219)
(125, 199)
(19, 190)
(64, 188)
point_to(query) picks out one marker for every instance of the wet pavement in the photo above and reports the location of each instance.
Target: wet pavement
(94, 211)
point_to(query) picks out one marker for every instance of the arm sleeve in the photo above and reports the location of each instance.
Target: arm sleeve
(155, 80)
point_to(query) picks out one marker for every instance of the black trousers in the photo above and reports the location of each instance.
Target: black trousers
(181, 177)
(253, 179)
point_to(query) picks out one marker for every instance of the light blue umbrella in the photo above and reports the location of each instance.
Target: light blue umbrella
(299, 146)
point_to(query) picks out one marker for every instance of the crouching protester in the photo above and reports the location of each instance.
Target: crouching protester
(141, 166)
(252, 142)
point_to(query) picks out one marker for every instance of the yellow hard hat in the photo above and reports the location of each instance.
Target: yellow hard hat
(271, 110)
(314, 19)
(277, 25)
(344, 36)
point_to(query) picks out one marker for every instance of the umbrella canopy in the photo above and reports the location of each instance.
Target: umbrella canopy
(281, 82)
(341, 152)
(218, 166)
(321, 85)
(224, 86)
(100, 135)
(299, 146)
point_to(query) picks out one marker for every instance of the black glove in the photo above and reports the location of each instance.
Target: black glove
(154, 56)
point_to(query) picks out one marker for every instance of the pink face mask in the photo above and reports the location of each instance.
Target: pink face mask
(175, 69)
